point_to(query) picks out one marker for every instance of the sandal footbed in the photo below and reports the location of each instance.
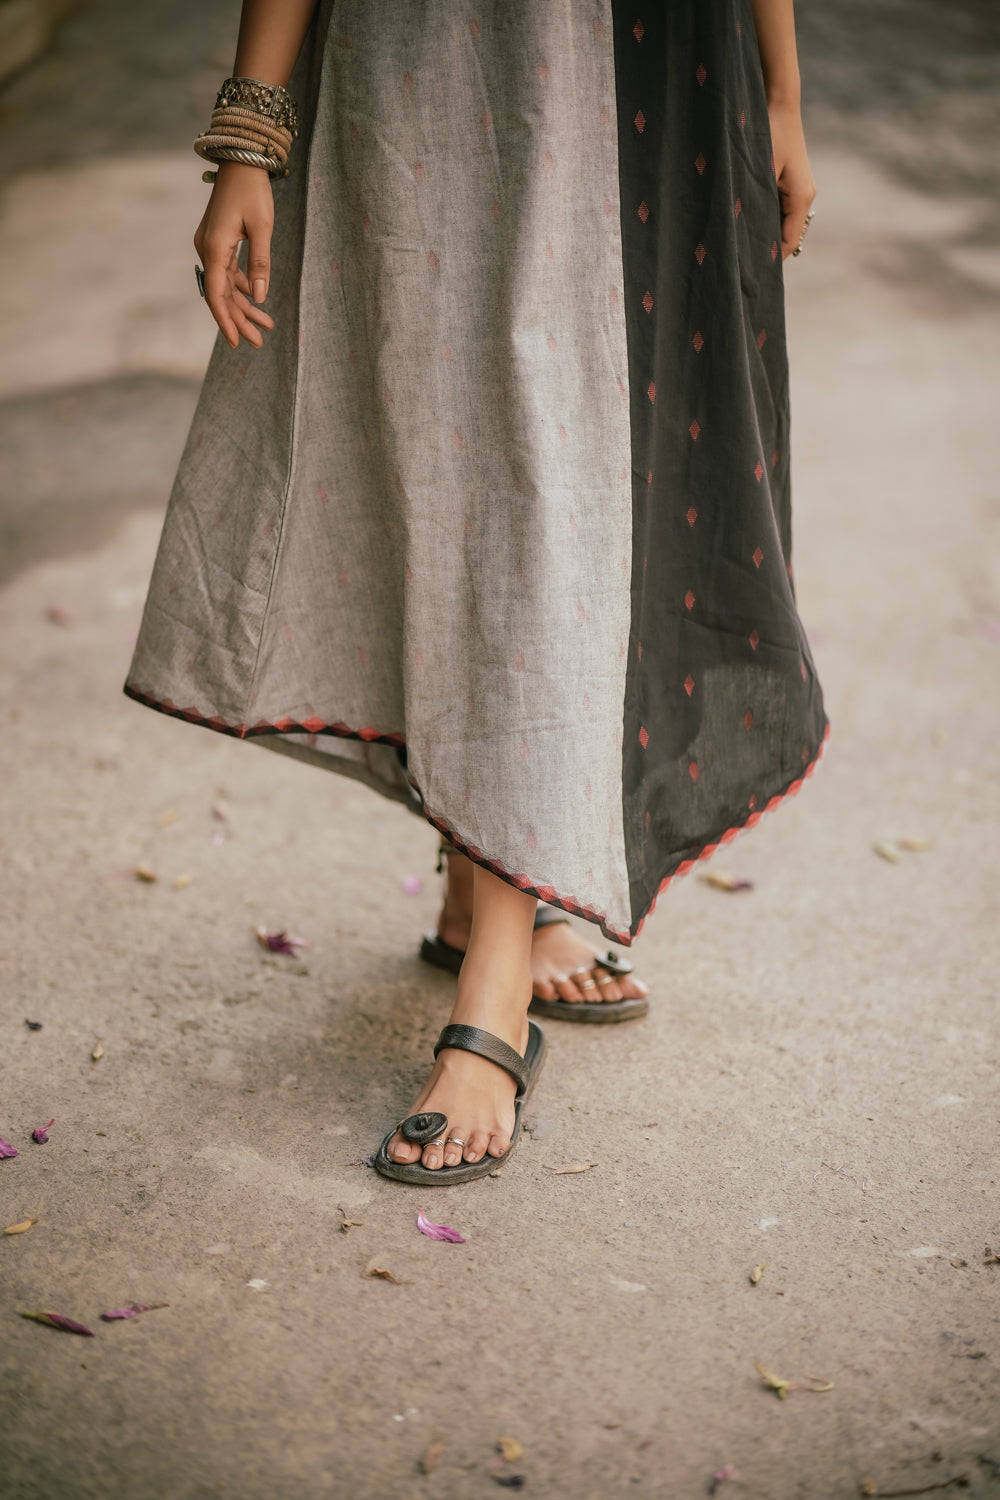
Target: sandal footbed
(466, 1171)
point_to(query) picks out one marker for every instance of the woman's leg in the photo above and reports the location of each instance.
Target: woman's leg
(494, 992)
(561, 960)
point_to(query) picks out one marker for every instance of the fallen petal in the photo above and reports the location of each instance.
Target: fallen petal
(97, 1052)
(58, 614)
(915, 846)
(280, 942)
(132, 1310)
(724, 882)
(720, 1476)
(40, 1134)
(431, 1457)
(990, 1258)
(886, 851)
(412, 885)
(511, 1449)
(576, 1166)
(56, 1320)
(6, 1149)
(774, 1381)
(21, 1228)
(146, 873)
(33, 1025)
(438, 1231)
(182, 881)
(756, 1274)
(371, 1269)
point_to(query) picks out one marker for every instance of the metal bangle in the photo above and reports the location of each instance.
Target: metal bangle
(264, 98)
(248, 158)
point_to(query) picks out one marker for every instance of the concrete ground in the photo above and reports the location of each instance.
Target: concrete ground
(816, 1087)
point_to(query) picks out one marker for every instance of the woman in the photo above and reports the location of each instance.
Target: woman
(490, 508)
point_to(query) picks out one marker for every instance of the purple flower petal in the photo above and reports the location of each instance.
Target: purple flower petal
(438, 1231)
(131, 1311)
(412, 885)
(280, 942)
(58, 614)
(6, 1149)
(720, 1476)
(40, 1134)
(32, 1025)
(56, 1320)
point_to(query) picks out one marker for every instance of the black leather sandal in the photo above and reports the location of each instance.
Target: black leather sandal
(434, 950)
(423, 1128)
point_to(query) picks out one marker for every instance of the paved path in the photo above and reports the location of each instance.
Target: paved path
(816, 1089)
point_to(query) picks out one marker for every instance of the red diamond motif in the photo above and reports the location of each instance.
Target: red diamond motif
(689, 599)
(700, 253)
(743, 119)
(802, 669)
(758, 557)
(748, 719)
(754, 639)
(651, 391)
(700, 163)
(774, 250)
(313, 725)
(689, 684)
(640, 122)
(762, 338)
(638, 651)
(775, 456)
(759, 471)
(647, 302)
(701, 74)
(694, 430)
(408, 83)
(692, 515)
(693, 770)
(643, 211)
(738, 207)
(698, 342)
(638, 31)
(643, 736)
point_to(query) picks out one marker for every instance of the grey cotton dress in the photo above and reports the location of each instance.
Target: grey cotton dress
(498, 520)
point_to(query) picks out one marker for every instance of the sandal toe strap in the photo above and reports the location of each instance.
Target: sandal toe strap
(420, 1130)
(485, 1044)
(612, 962)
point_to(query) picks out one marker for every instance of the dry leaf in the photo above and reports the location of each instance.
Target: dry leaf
(280, 942)
(915, 846)
(347, 1224)
(371, 1269)
(6, 1149)
(957, 1262)
(511, 1449)
(990, 1258)
(886, 851)
(431, 1457)
(97, 1052)
(722, 881)
(33, 1025)
(170, 816)
(576, 1166)
(182, 881)
(814, 1383)
(21, 1228)
(146, 873)
(757, 1273)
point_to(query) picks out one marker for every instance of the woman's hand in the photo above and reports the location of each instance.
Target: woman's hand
(241, 208)
(791, 167)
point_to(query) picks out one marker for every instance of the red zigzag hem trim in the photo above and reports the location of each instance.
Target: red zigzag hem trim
(525, 883)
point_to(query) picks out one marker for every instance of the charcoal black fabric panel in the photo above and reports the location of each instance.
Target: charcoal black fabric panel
(723, 712)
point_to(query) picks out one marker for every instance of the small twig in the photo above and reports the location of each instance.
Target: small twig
(944, 1484)
(842, 1172)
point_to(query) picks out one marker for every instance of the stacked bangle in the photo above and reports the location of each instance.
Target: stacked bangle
(253, 123)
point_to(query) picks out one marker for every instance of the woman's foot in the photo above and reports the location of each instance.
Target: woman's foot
(494, 991)
(562, 962)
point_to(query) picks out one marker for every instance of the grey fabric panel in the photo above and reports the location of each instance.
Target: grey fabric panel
(446, 562)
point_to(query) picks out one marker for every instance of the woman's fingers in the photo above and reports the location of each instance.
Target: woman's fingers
(259, 258)
(240, 209)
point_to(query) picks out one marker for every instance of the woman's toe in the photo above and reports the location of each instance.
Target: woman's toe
(433, 1156)
(454, 1147)
(499, 1143)
(544, 989)
(402, 1151)
(476, 1145)
(633, 988)
(607, 986)
(566, 989)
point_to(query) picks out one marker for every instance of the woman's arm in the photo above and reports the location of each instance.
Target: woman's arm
(775, 22)
(241, 206)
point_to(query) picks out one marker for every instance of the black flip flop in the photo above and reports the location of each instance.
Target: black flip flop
(423, 1128)
(434, 950)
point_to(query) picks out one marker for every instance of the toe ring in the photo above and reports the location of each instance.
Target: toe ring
(588, 984)
(605, 979)
(453, 1140)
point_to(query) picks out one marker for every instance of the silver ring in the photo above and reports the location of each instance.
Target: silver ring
(435, 1143)
(199, 277)
(453, 1140)
(587, 984)
(606, 979)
